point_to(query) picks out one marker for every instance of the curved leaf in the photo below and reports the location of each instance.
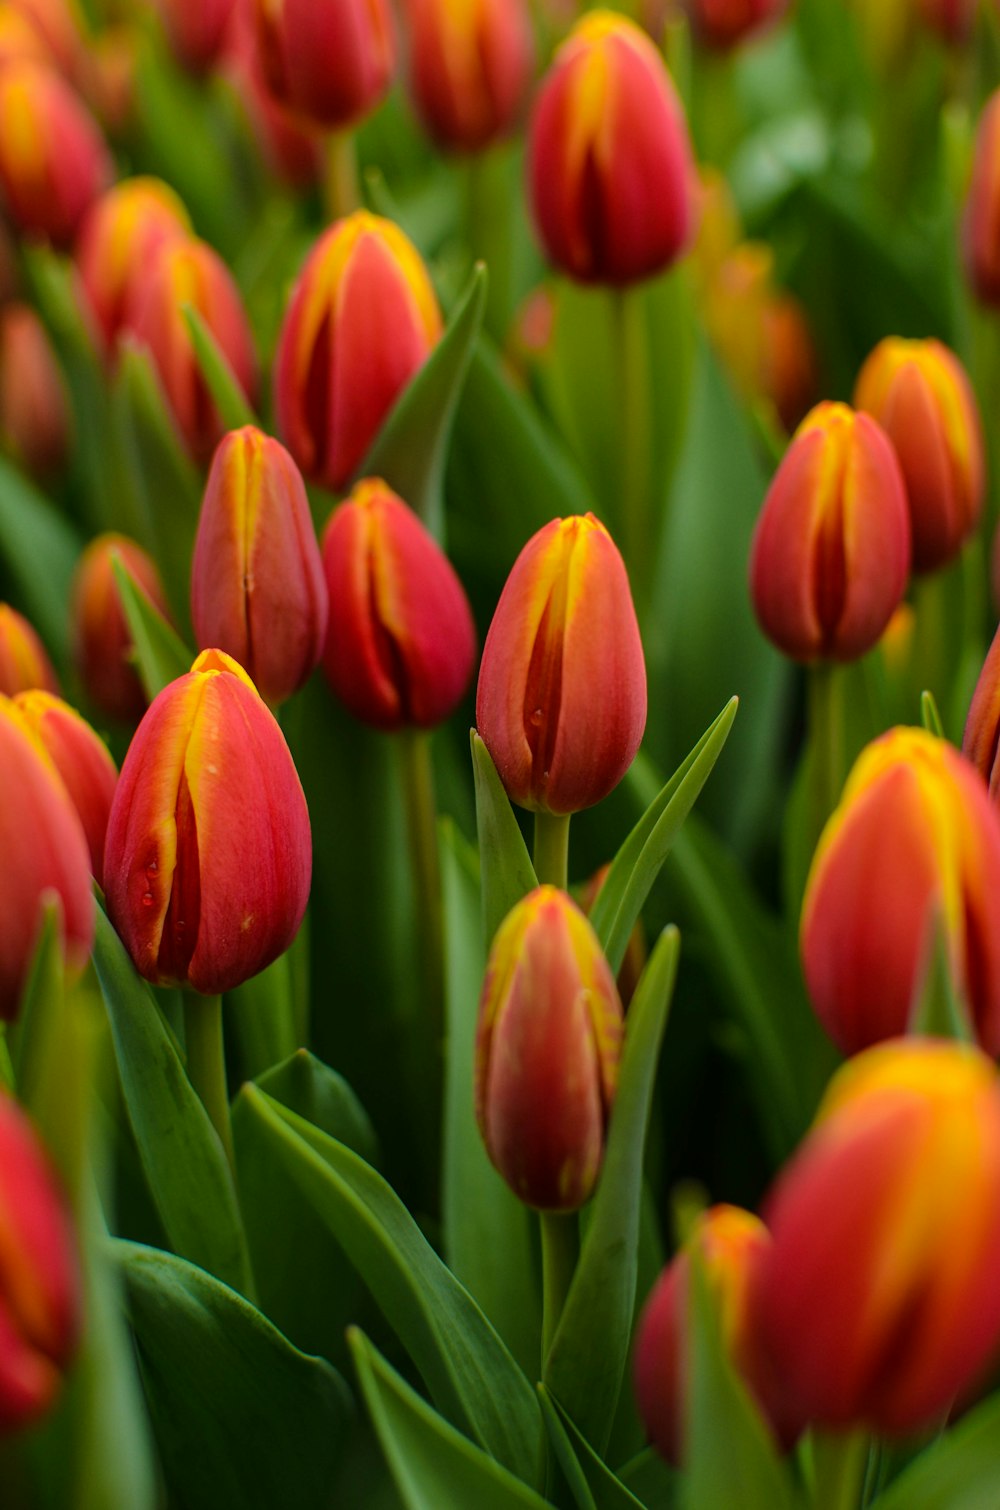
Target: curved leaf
(958, 1472)
(506, 871)
(38, 552)
(592, 1484)
(160, 655)
(235, 409)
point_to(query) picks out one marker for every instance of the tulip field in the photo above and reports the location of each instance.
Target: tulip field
(499, 755)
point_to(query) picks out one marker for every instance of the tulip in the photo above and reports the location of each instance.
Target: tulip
(735, 300)
(257, 585)
(19, 41)
(53, 161)
(561, 704)
(611, 176)
(731, 1246)
(118, 242)
(790, 367)
(40, 1290)
(44, 854)
(34, 408)
(362, 319)
(951, 19)
(547, 1051)
(24, 661)
(980, 242)
(879, 1298)
(920, 395)
(328, 61)
(982, 728)
(196, 30)
(470, 68)
(83, 761)
(208, 853)
(831, 551)
(102, 641)
(401, 642)
(183, 273)
(723, 24)
(913, 847)
(60, 27)
(291, 150)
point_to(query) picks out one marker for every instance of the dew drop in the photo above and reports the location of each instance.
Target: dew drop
(536, 718)
(147, 899)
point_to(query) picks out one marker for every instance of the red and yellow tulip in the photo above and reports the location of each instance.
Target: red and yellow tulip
(24, 661)
(471, 63)
(83, 761)
(102, 640)
(328, 61)
(53, 161)
(119, 239)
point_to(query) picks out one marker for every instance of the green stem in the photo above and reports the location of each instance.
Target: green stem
(342, 192)
(264, 1019)
(551, 855)
(425, 866)
(638, 546)
(826, 733)
(206, 1062)
(559, 1252)
(840, 1464)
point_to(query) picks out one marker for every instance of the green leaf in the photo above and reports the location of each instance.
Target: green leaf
(938, 1010)
(507, 873)
(651, 1480)
(433, 1465)
(641, 857)
(958, 1472)
(411, 448)
(38, 551)
(241, 1417)
(468, 1370)
(587, 1362)
(189, 1178)
(160, 655)
(235, 409)
(749, 1472)
(488, 1233)
(929, 715)
(591, 1482)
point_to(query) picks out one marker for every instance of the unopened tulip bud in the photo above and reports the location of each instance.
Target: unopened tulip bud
(730, 1245)
(790, 365)
(913, 849)
(53, 161)
(102, 641)
(24, 661)
(879, 1298)
(612, 181)
(723, 24)
(401, 643)
(981, 740)
(257, 585)
(44, 855)
(734, 303)
(208, 854)
(719, 228)
(920, 395)
(470, 68)
(980, 242)
(951, 19)
(60, 26)
(291, 148)
(190, 273)
(118, 242)
(362, 319)
(547, 1052)
(19, 41)
(34, 408)
(831, 552)
(40, 1299)
(561, 704)
(83, 761)
(196, 30)
(328, 61)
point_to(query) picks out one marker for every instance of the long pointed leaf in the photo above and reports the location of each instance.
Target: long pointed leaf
(38, 552)
(958, 1472)
(506, 871)
(235, 409)
(160, 655)
(603, 1490)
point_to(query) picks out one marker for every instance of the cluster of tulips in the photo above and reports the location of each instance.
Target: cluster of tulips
(374, 368)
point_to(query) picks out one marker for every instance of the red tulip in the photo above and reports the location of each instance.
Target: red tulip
(470, 68)
(980, 238)
(102, 641)
(722, 24)
(34, 408)
(118, 242)
(196, 29)
(328, 61)
(24, 661)
(53, 161)
(83, 761)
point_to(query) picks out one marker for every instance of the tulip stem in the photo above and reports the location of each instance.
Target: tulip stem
(551, 856)
(425, 864)
(638, 546)
(342, 189)
(826, 734)
(206, 1063)
(840, 1463)
(559, 1252)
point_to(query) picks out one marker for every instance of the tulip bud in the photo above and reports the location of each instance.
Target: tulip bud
(183, 273)
(470, 68)
(102, 641)
(401, 643)
(328, 61)
(118, 243)
(53, 161)
(831, 551)
(208, 854)
(951, 19)
(291, 149)
(196, 30)
(60, 27)
(44, 854)
(879, 1298)
(731, 1245)
(790, 373)
(114, 60)
(982, 729)
(920, 395)
(362, 319)
(547, 1051)
(561, 704)
(913, 847)
(723, 24)
(611, 176)
(34, 410)
(40, 1298)
(83, 761)
(19, 41)
(734, 303)
(719, 228)
(980, 242)
(257, 585)
(24, 661)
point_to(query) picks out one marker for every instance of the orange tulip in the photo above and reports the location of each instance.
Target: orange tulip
(35, 419)
(83, 761)
(53, 161)
(102, 641)
(118, 242)
(24, 661)
(980, 240)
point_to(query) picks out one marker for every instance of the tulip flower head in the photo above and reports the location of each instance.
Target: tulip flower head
(547, 1052)
(723, 24)
(612, 181)
(102, 641)
(328, 61)
(919, 393)
(34, 408)
(561, 704)
(913, 848)
(362, 319)
(83, 761)
(401, 642)
(951, 19)
(471, 63)
(831, 552)
(24, 661)
(53, 161)
(205, 886)
(118, 242)
(980, 236)
(879, 1298)
(981, 740)
(40, 1289)
(196, 29)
